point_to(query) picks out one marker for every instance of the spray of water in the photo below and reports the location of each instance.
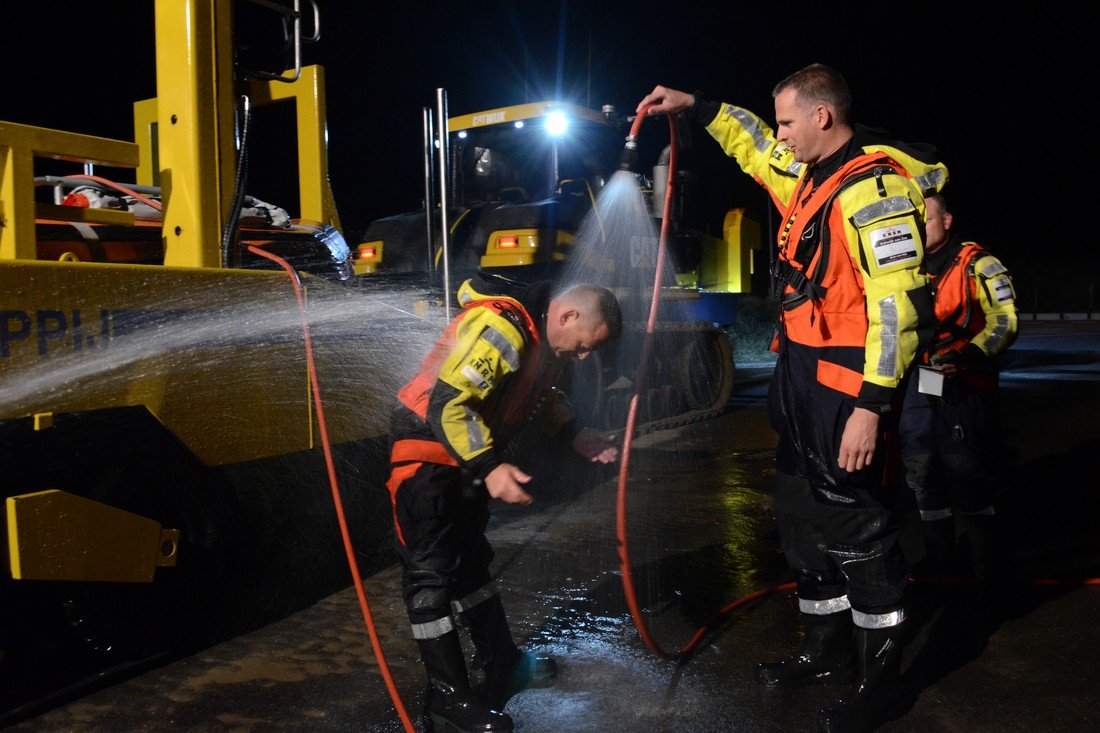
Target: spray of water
(617, 247)
(367, 341)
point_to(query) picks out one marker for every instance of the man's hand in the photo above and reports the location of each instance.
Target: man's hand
(857, 445)
(503, 483)
(954, 362)
(663, 99)
(595, 446)
(949, 369)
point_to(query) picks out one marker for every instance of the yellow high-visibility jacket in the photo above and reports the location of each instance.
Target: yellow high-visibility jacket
(850, 253)
(482, 381)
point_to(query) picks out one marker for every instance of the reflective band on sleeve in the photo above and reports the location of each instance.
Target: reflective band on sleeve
(473, 430)
(888, 337)
(881, 208)
(483, 593)
(433, 629)
(931, 515)
(823, 608)
(931, 181)
(877, 620)
(993, 268)
(988, 511)
(751, 125)
(501, 343)
(997, 335)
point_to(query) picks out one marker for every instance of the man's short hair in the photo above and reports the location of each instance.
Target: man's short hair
(598, 301)
(819, 84)
(940, 199)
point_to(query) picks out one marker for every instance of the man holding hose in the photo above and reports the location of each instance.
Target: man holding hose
(855, 307)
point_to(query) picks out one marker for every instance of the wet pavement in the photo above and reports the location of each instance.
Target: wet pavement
(700, 534)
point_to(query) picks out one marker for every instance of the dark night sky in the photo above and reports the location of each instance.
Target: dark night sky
(996, 91)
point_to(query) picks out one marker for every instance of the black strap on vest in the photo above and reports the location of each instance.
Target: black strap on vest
(803, 286)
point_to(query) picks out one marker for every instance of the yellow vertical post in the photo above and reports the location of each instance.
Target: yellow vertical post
(742, 235)
(17, 239)
(145, 135)
(308, 95)
(195, 126)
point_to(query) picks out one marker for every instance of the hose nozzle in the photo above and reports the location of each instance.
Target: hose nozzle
(629, 159)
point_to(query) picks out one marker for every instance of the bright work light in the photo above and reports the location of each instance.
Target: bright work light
(557, 123)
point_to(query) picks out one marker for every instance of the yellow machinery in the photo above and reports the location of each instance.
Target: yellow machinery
(158, 438)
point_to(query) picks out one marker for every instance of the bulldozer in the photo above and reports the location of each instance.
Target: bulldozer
(162, 338)
(517, 187)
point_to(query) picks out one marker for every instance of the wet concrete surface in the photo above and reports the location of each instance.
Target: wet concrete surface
(700, 534)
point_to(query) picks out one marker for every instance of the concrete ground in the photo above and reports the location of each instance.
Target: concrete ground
(700, 534)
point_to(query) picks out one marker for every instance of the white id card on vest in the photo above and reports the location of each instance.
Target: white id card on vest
(930, 381)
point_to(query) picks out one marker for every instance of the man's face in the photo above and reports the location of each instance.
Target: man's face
(796, 127)
(570, 336)
(936, 224)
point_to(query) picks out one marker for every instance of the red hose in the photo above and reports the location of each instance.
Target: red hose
(632, 412)
(336, 500)
(628, 433)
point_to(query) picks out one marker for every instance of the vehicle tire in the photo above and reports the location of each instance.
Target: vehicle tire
(705, 376)
(615, 410)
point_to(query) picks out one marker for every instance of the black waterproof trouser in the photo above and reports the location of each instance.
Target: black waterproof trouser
(441, 540)
(840, 551)
(952, 448)
(838, 532)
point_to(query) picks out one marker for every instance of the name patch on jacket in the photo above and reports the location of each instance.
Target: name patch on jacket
(481, 379)
(893, 244)
(1002, 289)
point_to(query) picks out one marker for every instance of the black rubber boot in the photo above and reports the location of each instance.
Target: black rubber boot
(451, 702)
(827, 655)
(939, 545)
(986, 559)
(503, 668)
(989, 567)
(878, 694)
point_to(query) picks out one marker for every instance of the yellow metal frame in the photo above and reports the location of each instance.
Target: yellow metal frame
(195, 116)
(256, 401)
(517, 112)
(19, 146)
(101, 543)
(316, 201)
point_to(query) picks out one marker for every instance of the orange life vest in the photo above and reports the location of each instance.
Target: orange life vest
(415, 394)
(807, 258)
(958, 319)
